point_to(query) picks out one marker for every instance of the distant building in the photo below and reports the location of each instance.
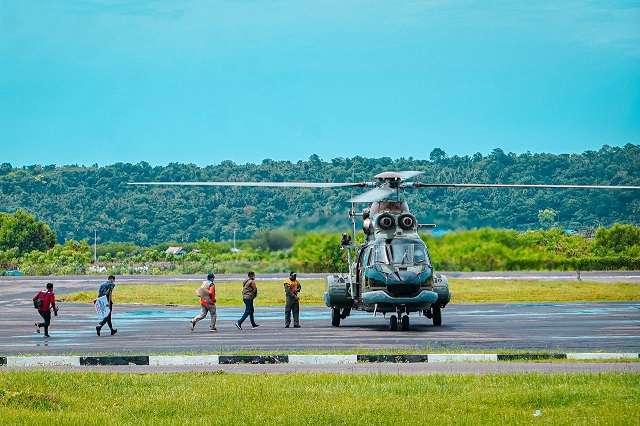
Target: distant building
(176, 251)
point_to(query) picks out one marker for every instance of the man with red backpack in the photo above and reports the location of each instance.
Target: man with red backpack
(44, 301)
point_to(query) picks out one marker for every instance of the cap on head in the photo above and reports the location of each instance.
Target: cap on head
(211, 277)
(49, 286)
(292, 274)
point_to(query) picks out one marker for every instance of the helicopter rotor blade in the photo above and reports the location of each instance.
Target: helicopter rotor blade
(257, 184)
(374, 195)
(501, 185)
(409, 174)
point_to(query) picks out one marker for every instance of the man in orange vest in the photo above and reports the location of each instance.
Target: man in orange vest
(291, 288)
(207, 294)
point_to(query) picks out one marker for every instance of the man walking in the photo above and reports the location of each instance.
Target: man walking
(291, 288)
(44, 309)
(249, 292)
(207, 293)
(106, 289)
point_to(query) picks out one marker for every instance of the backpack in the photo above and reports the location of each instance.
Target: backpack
(105, 288)
(38, 302)
(203, 293)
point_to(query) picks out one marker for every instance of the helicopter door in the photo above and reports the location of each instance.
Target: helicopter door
(367, 261)
(359, 265)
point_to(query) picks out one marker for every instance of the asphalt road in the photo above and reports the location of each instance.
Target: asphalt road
(143, 329)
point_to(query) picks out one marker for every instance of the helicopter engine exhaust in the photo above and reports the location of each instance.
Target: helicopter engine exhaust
(386, 221)
(407, 222)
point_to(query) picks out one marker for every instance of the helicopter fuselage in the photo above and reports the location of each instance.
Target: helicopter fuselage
(392, 271)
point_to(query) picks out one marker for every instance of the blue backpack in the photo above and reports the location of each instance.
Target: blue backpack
(105, 288)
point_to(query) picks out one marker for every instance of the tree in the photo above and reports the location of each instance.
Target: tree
(547, 218)
(619, 240)
(318, 252)
(437, 155)
(21, 231)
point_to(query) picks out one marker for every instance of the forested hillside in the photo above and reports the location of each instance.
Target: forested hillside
(75, 200)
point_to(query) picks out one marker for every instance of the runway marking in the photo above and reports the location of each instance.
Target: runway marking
(618, 336)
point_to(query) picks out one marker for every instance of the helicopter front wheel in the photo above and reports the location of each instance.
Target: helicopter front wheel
(393, 323)
(335, 317)
(405, 322)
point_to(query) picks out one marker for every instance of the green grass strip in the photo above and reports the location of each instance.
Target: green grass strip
(463, 291)
(216, 398)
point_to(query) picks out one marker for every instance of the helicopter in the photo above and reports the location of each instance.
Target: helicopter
(391, 272)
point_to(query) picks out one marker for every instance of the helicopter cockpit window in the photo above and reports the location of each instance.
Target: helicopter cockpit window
(409, 253)
(368, 258)
(380, 254)
(402, 253)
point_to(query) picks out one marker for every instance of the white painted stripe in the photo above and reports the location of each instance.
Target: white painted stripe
(34, 361)
(602, 356)
(323, 359)
(461, 357)
(184, 360)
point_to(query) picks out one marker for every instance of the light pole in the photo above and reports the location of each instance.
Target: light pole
(95, 246)
(234, 238)
(234, 249)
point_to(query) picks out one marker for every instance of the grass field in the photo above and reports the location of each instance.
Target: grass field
(66, 398)
(463, 291)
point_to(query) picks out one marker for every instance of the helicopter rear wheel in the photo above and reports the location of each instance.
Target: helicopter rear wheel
(335, 317)
(393, 323)
(405, 322)
(437, 315)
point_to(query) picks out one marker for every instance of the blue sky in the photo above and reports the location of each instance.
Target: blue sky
(197, 81)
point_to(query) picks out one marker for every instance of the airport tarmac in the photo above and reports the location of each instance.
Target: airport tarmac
(565, 327)
(164, 330)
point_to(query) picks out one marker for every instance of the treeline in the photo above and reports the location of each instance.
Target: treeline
(78, 202)
(617, 248)
(477, 250)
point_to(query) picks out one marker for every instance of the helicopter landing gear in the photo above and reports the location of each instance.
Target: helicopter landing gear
(405, 322)
(335, 317)
(437, 315)
(393, 323)
(434, 313)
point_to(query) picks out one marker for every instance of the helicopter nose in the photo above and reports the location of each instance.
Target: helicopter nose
(403, 283)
